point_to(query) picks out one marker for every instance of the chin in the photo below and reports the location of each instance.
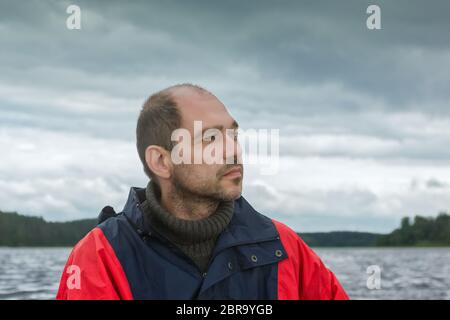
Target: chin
(232, 192)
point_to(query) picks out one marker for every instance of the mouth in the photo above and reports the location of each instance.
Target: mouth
(233, 173)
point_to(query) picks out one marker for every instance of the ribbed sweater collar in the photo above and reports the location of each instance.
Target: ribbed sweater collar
(182, 231)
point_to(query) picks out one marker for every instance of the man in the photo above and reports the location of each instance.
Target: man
(190, 234)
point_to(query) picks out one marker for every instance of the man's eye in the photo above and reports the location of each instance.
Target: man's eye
(209, 138)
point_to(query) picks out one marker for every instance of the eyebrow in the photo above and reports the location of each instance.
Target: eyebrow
(234, 125)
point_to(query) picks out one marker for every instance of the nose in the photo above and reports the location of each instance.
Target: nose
(232, 152)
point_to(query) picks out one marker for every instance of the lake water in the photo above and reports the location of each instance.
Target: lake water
(416, 273)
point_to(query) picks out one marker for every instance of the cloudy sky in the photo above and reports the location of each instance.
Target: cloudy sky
(364, 115)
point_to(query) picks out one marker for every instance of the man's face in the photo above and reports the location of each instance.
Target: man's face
(205, 179)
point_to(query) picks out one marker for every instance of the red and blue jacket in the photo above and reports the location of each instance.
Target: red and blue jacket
(255, 257)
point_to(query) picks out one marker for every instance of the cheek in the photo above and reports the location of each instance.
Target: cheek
(206, 172)
(197, 173)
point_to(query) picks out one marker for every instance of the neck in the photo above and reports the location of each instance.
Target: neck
(193, 232)
(187, 206)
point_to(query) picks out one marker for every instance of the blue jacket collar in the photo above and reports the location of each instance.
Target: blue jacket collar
(246, 225)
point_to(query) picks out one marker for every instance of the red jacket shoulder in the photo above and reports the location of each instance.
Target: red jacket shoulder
(305, 270)
(93, 271)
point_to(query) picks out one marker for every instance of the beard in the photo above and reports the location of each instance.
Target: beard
(188, 184)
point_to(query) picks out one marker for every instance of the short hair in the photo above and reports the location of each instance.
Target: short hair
(157, 120)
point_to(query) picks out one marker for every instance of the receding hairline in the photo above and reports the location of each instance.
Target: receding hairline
(178, 89)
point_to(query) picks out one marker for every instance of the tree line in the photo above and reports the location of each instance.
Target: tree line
(19, 230)
(421, 231)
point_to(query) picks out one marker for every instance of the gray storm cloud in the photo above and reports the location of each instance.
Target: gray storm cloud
(340, 94)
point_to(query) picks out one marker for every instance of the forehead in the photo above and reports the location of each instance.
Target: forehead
(203, 107)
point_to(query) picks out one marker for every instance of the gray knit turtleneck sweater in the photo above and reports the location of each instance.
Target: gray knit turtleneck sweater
(196, 238)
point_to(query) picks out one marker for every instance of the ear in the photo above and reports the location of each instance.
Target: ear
(159, 161)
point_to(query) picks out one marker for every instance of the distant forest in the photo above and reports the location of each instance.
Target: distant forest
(19, 230)
(422, 231)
